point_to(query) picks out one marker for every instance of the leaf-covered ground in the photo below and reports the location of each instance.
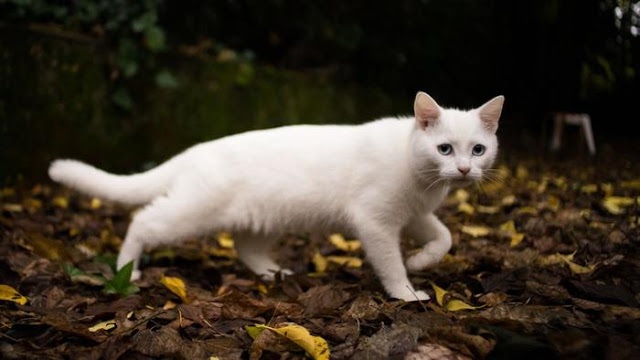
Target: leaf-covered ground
(545, 264)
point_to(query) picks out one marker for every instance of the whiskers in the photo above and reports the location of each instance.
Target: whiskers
(432, 178)
(491, 181)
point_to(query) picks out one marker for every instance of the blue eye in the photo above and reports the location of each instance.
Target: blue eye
(478, 150)
(445, 149)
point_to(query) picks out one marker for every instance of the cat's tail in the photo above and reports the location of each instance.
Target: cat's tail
(135, 189)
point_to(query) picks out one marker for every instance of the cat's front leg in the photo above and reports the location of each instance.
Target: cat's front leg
(381, 244)
(435, 236)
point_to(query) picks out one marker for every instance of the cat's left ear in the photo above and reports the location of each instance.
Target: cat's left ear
(489, 113)
(427, 110)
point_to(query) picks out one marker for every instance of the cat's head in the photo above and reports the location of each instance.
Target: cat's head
(452, 145)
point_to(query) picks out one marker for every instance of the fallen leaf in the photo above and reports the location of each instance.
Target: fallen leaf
(466, 208)
(176, 286)
(475, 230)
(461, 195)
(530, 210)
(348, 261)
(615, 204)
(104, 325)
(225, 240)
(508, 200)
(487, 209)
(457, 305)
(440, 293)
(315, 346)
(631, 184)
(61, 202)
(589, 188)
(96, 203)
(10, 294)
(340, 243)
(516, 239)
(320, 262)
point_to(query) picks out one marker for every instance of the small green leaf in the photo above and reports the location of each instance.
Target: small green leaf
(165, 79)
(121, 282)
(71, 270)
(122, 98)
(154, 38)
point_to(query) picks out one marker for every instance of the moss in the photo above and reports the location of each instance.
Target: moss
(56, 103)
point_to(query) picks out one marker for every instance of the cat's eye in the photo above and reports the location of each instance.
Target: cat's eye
(445, 149)
(478, 150)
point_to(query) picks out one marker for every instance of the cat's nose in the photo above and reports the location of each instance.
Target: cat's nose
(464, 170)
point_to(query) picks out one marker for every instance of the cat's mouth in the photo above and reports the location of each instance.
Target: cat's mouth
(461, 181)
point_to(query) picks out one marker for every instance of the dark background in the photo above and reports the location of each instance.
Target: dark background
(544, 56)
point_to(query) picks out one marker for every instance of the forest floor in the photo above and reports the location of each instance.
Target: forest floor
(545, 264)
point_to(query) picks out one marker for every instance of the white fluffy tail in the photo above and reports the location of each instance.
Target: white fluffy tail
(133, 189)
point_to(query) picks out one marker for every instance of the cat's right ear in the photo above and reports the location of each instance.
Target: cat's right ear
(426, 110)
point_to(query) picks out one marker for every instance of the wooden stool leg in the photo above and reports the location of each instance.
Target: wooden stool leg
(588, 133)
(558, 123)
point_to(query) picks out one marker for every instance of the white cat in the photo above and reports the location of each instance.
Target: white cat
(378, 181)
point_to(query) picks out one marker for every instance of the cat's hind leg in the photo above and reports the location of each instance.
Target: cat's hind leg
(435, 237)
(167, 220)
(254, 252)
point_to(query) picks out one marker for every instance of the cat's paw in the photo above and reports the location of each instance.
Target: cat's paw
(409, 295)
(136, 275)
(421, 261)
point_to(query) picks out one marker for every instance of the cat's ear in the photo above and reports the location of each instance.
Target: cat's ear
(427, 110)
(489, 113)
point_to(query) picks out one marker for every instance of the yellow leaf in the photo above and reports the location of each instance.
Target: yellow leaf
(475, 231)
(10, 294)
(345, 245)
(457, 305)
(522, 172)
(553, 203)
(516, 239)
(509, 226)
(225, 240)
(607, 188)
(32, 204)
(176, 286)
(487, 209)
(508, 200)
(579, 269)
(449, 304)
(223, 253)
(528, 210)
(10, 207)
(315, 346)
(440, 293)
(61, 202)
(466, 208)
(349, 261)
(589, 188)
(96, 203)
(320, 262)
(461, 195)
(631, 184)
(105, 325)
(7, 191)
(615, 204)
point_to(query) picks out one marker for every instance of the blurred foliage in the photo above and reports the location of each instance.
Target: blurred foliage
(129, 30)
(464, 50)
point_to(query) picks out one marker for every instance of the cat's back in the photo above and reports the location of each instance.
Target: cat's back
(311, 140)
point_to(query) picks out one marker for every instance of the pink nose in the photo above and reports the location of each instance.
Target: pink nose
(464, 170)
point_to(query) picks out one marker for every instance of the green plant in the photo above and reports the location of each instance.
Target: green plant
(119, 284)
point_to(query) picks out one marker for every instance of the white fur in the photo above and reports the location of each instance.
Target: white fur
(376, 181)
